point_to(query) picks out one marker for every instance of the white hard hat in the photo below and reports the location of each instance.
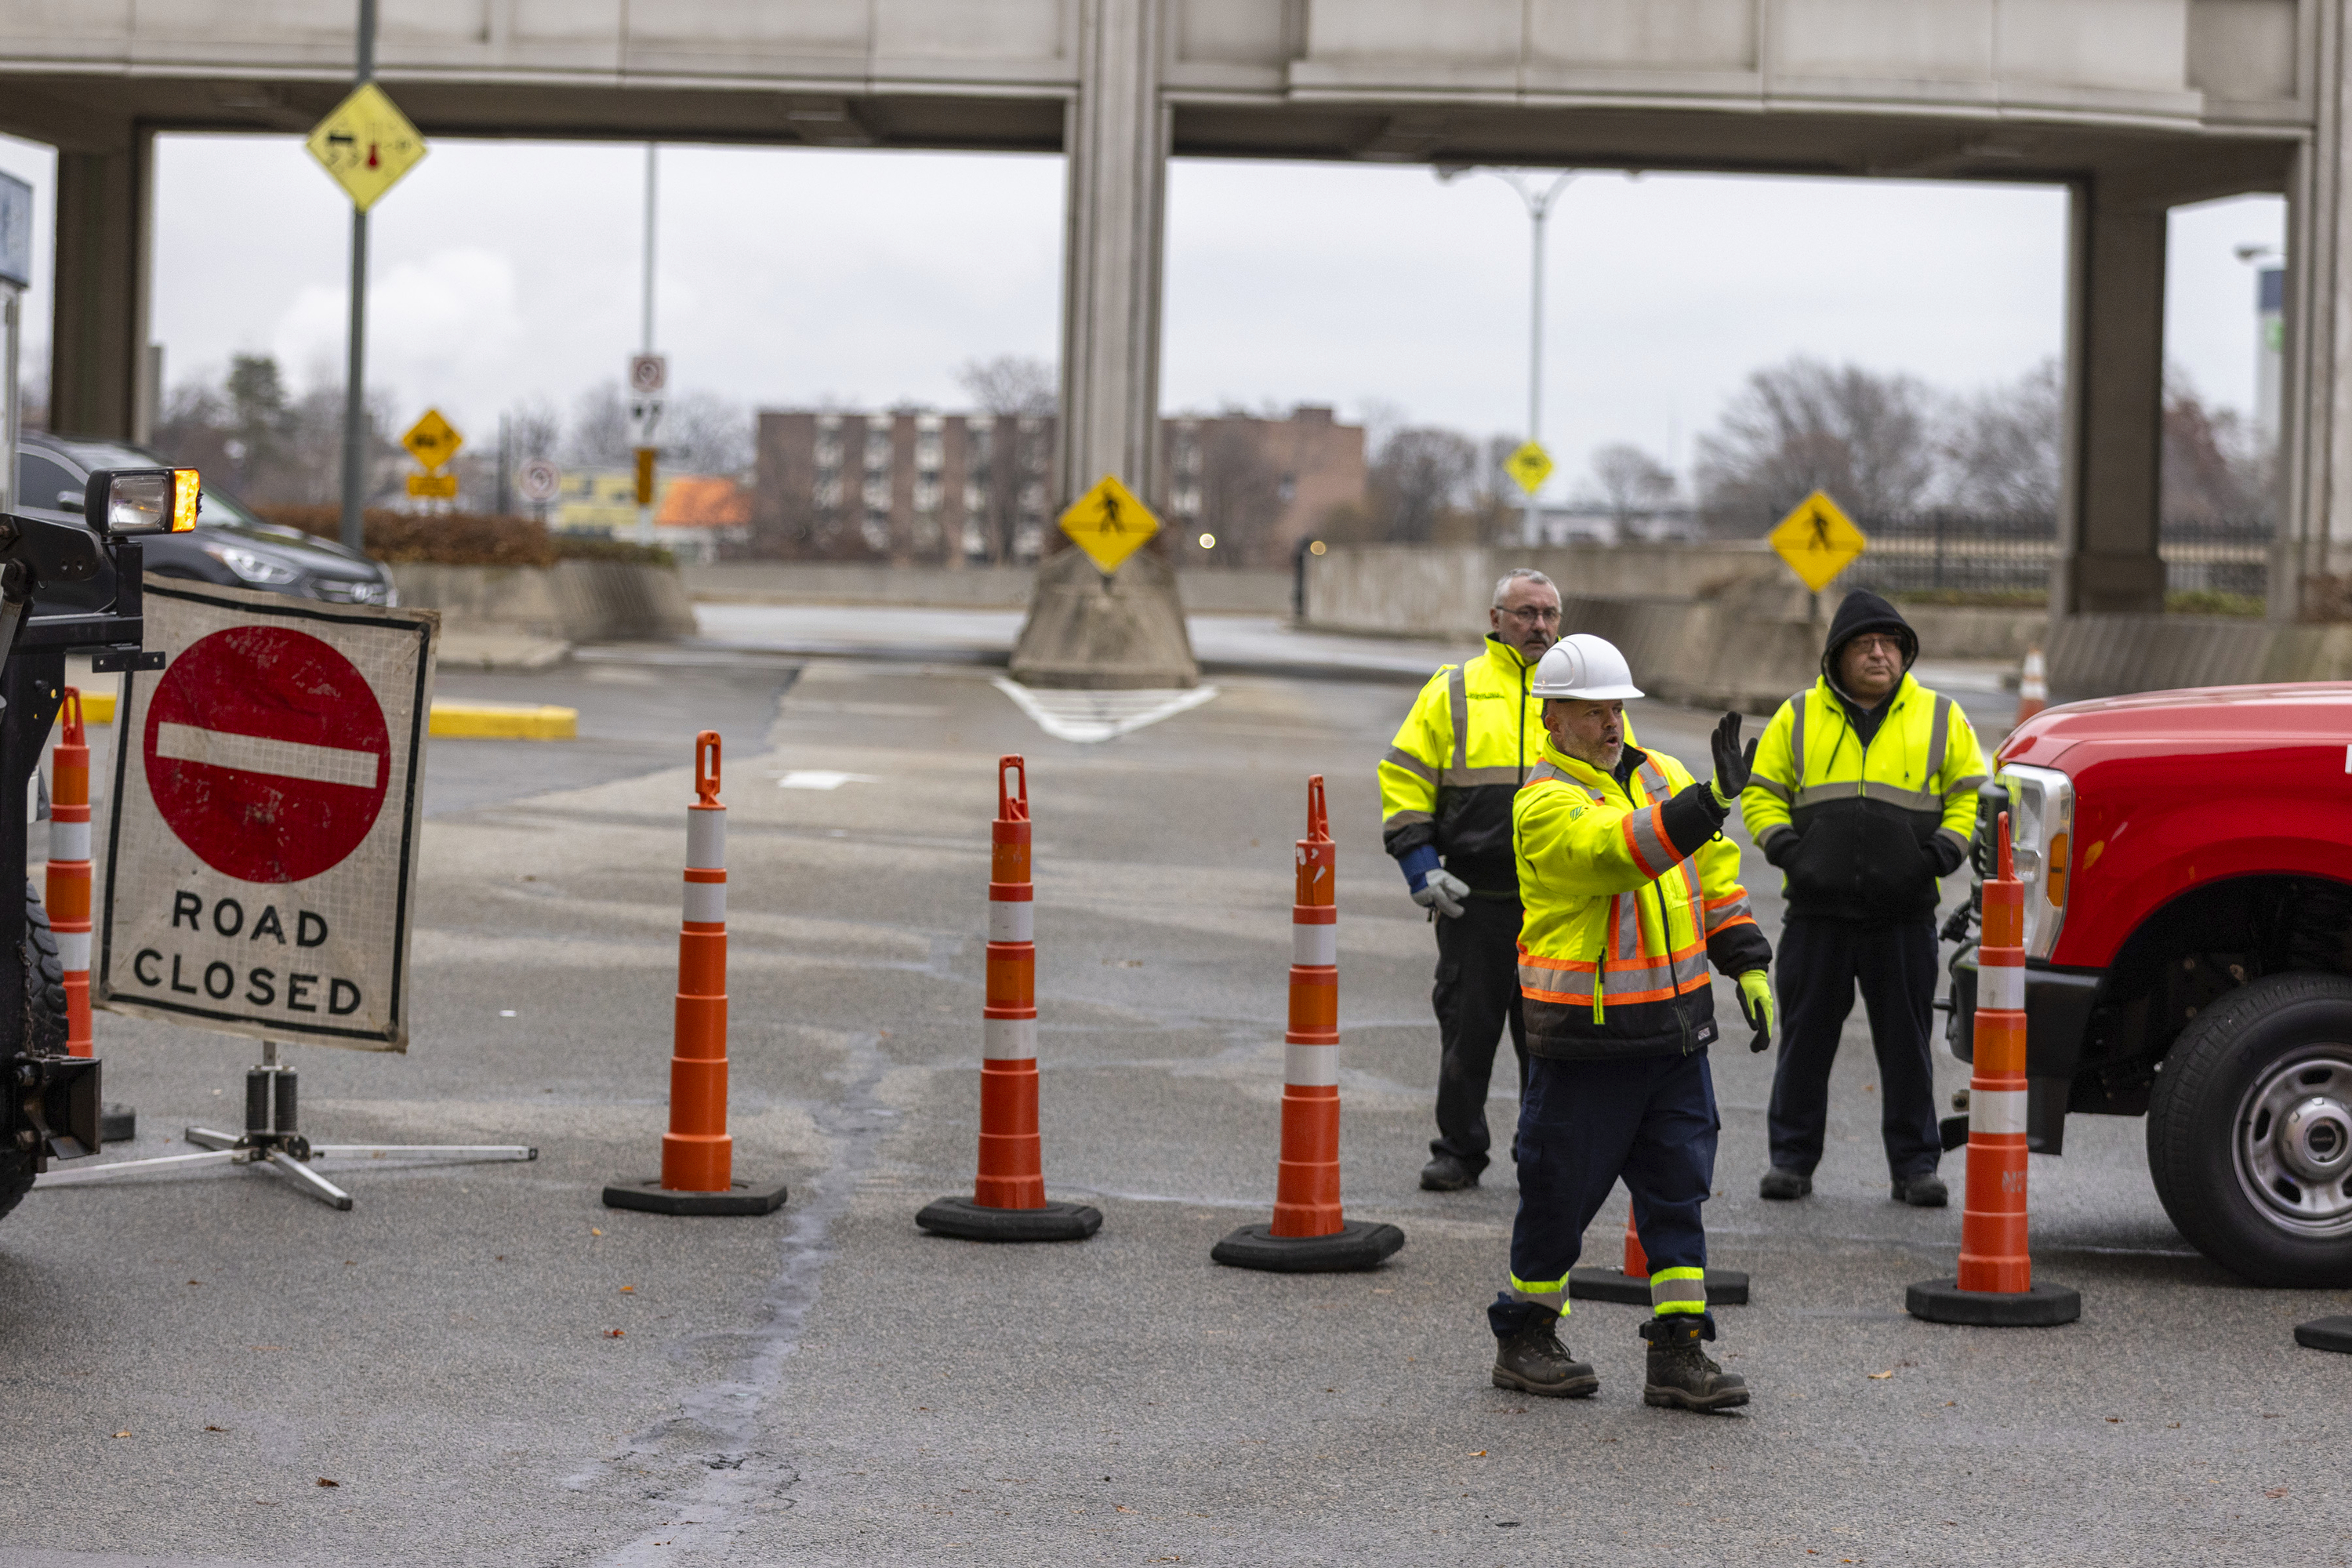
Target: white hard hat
(1584, 666)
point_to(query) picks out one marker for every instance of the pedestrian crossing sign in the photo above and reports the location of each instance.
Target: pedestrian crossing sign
(1110, 524)
(1530, 466)
(1818, 540)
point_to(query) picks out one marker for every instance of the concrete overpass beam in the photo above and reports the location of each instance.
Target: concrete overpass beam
(99, 368)
(2110, 487)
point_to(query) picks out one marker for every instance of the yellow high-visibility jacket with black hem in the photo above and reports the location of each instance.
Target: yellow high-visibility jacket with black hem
(1629, 893)
(1852, 825)
(1472, 737)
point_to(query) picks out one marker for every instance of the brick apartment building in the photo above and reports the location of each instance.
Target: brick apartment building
(975, 488)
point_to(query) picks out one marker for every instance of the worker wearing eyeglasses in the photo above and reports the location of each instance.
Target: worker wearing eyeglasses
(1863, 795)
(1474, 735)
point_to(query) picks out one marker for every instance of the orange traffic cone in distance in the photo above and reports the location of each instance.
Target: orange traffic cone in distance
(1309, 1235)
(698, 1168)
(1994, 1287)
(1630, 1286)
(1008, 1200)
(2032, 687)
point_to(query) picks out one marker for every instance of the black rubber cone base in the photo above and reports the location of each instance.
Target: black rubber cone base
(2325, 1334)
(1724, 1286)
(741, 1198)
(1943, 1301)
(968, 1221)
(116, 1123)
(1345, 1250)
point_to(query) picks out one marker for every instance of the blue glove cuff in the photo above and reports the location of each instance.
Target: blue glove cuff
(1417, 864)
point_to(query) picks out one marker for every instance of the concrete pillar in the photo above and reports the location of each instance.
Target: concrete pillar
(2109, 493)
(98, 365)
(2314, 450)
(1117, 149)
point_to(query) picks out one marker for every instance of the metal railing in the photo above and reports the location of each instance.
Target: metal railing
(1938, 552)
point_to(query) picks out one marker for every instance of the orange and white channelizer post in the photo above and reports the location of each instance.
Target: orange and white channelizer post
(67, 894)
(1008, 1200)
(1310, 1233)
(1995, 1286)
(697, 1160)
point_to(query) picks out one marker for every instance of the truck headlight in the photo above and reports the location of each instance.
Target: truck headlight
(2042, 836)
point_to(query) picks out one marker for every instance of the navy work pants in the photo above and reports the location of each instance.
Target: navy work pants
(1476, 997)
(1583, 1125)
(1819, 964)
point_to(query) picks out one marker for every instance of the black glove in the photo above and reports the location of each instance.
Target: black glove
(1732, 765)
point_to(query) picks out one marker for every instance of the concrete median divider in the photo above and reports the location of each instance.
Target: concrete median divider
(571, 601)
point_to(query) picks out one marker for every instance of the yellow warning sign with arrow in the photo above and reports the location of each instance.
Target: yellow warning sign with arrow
(366, 145)
(1109, 524)
(1818, 540)
(1530, 466)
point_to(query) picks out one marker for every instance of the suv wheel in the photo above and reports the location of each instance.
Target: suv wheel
(2249, 1132)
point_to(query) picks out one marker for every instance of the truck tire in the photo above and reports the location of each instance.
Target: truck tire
(2249, 1132)
(44, 1028)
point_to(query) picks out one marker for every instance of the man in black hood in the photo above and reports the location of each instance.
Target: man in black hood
(1864, 793)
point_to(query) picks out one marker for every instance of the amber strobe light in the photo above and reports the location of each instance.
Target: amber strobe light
(187, 498)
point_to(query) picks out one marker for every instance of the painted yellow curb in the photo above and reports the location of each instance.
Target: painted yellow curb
(485, 721)
(97, 707)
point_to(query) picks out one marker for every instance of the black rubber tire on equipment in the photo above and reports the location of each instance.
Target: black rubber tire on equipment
(2190, 1126)
(649, 1197)
(1724, 1286)
(1344, 1251)
(45, 1026)
(968, 1221)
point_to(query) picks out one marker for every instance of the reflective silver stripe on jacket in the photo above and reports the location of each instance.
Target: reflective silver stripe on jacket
(1405, 818)
(1466, 778)
(1642, 825)
(1797, 705)
(1543, 771)
(1739, 909)
(1777, 791)
(1937, 741)
(1457, 707)
(1400, 757)
(1969, 785)
(1909, 799)
(1625, 911)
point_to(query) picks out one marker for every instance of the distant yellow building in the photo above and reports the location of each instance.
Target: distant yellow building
(692, 513)
(601, 501)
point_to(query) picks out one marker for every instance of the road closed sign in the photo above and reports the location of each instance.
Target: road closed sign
(262, 833)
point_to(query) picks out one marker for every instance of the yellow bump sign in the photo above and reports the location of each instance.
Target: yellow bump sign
(439, 487)
(366, 145)
(1110, 524)
(1818, 540)
(431, 440)
(1530, 466)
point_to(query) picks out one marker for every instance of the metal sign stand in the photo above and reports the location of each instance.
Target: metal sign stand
(273, 1138)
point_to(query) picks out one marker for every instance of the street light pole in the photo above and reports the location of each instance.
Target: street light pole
(354, 530)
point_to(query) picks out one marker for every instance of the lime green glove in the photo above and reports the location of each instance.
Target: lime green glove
(1756, 1006)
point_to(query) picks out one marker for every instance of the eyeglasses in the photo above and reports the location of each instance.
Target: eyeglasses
(1534, 614)
(1877, 645)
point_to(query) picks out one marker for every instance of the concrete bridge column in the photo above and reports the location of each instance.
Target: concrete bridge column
(99, 364)
(1116, 147)
(2109, 498)
(2314, 438)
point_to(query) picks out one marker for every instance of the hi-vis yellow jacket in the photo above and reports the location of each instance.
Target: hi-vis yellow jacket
(1472, 737)
(1855, 826)
(1629, 893)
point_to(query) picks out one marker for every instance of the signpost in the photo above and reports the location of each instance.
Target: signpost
(648, 377)
(1110, 524)
(1818, 540)
(540, 481)
(433, 441)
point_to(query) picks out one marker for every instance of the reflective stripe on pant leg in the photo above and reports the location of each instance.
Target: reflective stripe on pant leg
(1678, 1291)
(1551, 1295)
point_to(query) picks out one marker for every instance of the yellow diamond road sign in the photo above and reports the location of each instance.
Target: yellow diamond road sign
(431, 440)
(366, 143)
(1109, 524)
(1818, 540)
(1530, 465)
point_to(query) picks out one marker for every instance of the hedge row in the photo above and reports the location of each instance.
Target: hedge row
(463, 538)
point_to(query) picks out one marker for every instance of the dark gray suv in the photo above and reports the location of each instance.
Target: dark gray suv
(230, 545)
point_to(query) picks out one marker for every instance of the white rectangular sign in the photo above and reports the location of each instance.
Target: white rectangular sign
(261, 837)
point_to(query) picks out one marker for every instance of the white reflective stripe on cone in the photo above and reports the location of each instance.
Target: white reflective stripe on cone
(73, 951)
(706, 903)
(1011, 921)
(1315, 945)
(1996, 1111)
(1310, 1066)
(2000, 988)
(1009, 1039)
(69, 840)
(706, 840)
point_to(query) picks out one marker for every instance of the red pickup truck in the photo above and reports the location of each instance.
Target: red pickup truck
(2187, 862)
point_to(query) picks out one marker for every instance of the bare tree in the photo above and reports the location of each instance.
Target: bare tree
(2215, 467)
(1011, 384)
(1632, 483)
(2000, 448)
(1243, 489)
(537, 429)
(602, 434)
(702, 433)
(1421, 476)
(1804, 425)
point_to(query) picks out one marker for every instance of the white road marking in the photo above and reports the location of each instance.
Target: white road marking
(1089, 717)
(823, 778)
(258, 754)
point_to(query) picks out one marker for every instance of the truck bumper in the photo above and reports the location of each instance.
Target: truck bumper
(2057, 1015)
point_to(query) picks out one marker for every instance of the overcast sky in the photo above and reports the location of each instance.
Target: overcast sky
(511, 271)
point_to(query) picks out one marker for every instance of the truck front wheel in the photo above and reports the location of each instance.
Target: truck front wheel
(2249, 1130)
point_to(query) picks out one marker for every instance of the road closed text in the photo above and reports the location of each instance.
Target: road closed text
(272, 978)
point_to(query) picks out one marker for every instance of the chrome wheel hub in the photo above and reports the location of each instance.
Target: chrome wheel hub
(2293, 1147)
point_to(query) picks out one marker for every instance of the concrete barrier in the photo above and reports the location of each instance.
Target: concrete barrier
(572, 601)
(1212, 593)
(1422, 590)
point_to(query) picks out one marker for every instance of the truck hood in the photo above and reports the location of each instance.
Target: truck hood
(2199, 717)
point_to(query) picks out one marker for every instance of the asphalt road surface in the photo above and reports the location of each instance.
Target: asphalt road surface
(481, 1364)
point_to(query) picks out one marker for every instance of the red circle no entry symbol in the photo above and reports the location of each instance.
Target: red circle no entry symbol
(267, 753)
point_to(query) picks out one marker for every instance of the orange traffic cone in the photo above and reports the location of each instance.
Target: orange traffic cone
(1308, 1235)
(1008, 1200)
(698, 1164)
(1631, 1285)
(2032, 688)
(1995, 1287)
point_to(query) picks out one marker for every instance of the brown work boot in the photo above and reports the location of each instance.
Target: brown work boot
(1532, 1360)
(1680, 1372)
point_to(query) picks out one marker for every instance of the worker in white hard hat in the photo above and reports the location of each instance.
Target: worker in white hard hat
(1630, 892)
